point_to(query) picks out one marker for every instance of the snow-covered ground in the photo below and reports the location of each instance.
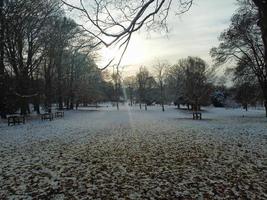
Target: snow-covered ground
(135, 154)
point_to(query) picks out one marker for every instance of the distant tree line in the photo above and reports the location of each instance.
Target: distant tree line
(191, 83)
(186, 82)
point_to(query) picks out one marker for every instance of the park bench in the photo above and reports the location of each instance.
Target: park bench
(45, 116)
(59, 114)
(15, 119)
(197, 115)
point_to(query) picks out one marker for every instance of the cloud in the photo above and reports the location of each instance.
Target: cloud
(192, 34)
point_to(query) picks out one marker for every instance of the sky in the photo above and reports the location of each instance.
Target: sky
(193, 33)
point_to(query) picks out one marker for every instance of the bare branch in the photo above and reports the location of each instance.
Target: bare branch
(112, 21)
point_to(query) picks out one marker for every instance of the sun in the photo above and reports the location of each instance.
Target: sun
(135, 54)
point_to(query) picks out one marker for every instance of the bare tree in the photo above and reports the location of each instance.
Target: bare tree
(145, 83)
(160, 75)
(262, 23)
(197, 88)
(190, 79)
(243, 42)
(116, 77)
(246, 93)
(2, 65)
(174, 84)
(24, 43)
(130, 83)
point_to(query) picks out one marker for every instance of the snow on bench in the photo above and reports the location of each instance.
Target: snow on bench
(49, 116)
(59, 114)
(197, 115)
(15, 119)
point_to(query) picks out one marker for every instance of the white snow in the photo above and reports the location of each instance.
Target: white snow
(136, 154)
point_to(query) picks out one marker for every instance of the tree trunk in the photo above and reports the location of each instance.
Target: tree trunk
(23, 106)
(2, 66)
(59, 81)
(265, 106)
(37, 105)
(262, 8)
(22, 89)
(60, 98)
(48, 91)
(131, 97)
(161, 96)
(262, 23)
(72, 95)
(28, 108)
(72, 100)
(77, 105)
(67, 103)
(71, 103)
(246, 107)
(264, 90)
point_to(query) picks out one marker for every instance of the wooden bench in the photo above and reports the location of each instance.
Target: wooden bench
(59, 114)
(197, 115)
(15, 119)
(49, 116)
